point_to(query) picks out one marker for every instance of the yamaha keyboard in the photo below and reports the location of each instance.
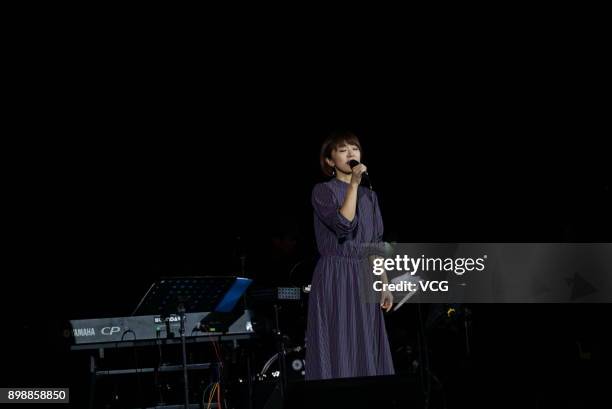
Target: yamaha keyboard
(154, 329)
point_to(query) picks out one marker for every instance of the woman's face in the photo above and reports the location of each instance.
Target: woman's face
(342, 155)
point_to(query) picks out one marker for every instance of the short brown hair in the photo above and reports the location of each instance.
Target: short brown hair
(333, 142)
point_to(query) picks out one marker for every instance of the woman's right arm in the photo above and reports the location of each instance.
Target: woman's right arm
(349, 207)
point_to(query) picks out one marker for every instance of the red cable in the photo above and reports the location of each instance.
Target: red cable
(218, 353)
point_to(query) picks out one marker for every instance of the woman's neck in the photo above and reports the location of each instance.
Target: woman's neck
(343, 177)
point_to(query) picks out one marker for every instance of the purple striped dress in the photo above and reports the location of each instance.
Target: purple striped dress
(345, 336)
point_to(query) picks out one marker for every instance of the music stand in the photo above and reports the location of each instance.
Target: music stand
(182, 295)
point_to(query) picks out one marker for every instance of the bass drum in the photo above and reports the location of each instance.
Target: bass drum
(295, 365)
(300, 275)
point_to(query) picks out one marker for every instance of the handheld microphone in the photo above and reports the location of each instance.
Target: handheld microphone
(352, 163)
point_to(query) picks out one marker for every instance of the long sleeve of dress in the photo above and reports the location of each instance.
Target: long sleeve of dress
(327, 209)
(377, 246)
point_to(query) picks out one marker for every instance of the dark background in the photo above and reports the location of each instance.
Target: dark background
(126, 197)
(121, 170)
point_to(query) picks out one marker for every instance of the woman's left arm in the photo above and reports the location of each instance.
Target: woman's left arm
(386, 299)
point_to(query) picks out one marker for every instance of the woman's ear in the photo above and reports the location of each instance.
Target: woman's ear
(330, 162)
